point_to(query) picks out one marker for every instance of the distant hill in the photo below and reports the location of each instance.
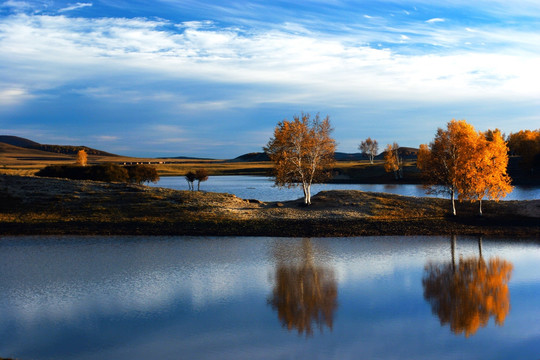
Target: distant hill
(251, 157)
(341, 156)
(18, 141)
(59, 149)
(406, 152)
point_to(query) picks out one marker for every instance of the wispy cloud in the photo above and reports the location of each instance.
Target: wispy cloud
(106, 138)
(238, 63)
(48, 51)
(13, 96)
(75, 7)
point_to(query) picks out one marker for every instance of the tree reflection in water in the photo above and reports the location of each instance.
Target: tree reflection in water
(466, 295)
(305, 290)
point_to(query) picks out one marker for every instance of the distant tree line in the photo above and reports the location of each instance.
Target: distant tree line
(109, 172)
(68, 149)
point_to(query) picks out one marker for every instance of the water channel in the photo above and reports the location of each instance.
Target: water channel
(236, 298)
(262, 188)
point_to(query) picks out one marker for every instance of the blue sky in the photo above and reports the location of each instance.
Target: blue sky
(213, 78)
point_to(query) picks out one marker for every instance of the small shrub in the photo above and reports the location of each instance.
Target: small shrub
(140, 174)
(102, 172)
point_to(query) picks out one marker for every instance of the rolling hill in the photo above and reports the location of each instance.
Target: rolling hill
(59, 149)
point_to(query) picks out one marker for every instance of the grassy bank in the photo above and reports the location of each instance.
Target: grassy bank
(30, 205)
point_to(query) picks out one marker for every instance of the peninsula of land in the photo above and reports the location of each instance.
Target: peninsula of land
(51, 206)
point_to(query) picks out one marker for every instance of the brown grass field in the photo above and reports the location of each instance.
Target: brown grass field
(20, 161)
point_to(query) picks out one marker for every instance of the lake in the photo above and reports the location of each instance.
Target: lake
(262, 188)
(269, 298)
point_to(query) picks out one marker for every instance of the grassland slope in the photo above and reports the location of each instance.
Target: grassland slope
(31, 205)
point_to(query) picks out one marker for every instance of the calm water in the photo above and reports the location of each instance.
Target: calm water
(268, 298)
(262, 188)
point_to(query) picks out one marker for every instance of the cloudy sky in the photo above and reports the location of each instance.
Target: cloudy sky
(212, 78)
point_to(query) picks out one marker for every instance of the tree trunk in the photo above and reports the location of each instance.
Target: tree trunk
(480, 208)
(199, 186)
(453, 249)
(453, 203)
(480, 246)
(308, 196)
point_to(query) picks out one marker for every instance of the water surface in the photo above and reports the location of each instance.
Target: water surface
(262, 188)
(268, 298)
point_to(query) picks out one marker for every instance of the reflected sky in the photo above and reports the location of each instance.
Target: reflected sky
(179, 297)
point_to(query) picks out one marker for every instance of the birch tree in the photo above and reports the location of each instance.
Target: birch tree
(302, 151)
(190, 178)
(485, 176)
(201, 175)
(444, 162)
(369, 148)
(392, 161)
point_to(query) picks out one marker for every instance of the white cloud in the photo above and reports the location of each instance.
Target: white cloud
(75, 7)
(18, 5)
(13, 96)
(106, 138)
(284, 64)
(435, 20)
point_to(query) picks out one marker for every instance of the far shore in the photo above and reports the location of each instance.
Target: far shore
(50, 206)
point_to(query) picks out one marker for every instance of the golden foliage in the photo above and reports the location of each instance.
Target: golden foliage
(484, 174)
(467, 296)
(302, 151)
(392, 162)
(82, 158)
(305, 293)
(466, 163)
(525, 143)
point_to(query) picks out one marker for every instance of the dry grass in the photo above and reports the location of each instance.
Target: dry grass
(42, 206)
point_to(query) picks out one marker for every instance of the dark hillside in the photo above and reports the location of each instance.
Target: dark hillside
(59, 149)
(18, 141)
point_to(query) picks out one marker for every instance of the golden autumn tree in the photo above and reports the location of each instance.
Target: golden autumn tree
(392, 160)
(369, 148)
(444, 162)
(82, 158)
(525, 143)
(302, 151)
(468, 294)
(485, 176)
(305, 291)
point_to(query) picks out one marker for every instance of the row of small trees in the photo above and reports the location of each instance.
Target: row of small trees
(460, 161)
(200, 175)
(109, 172)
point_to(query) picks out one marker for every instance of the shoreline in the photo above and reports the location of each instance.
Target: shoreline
(50, 206)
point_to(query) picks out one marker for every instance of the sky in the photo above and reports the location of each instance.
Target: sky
(213, 78)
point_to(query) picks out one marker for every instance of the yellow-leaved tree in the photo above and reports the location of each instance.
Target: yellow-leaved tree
(82, 158)
(526, 143)
(302, 151)
(465, 163)
(485, 176)
(392, 161)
